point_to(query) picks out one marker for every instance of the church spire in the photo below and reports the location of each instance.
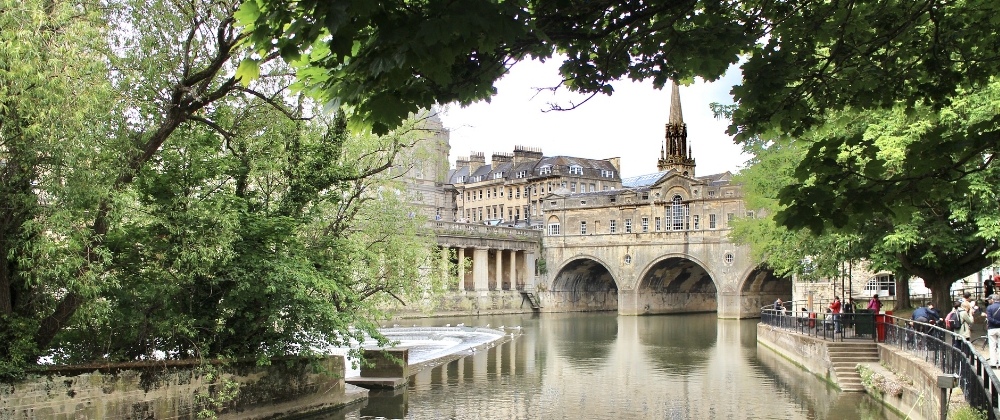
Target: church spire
(678, 151)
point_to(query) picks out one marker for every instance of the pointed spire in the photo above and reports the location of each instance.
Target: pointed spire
(676, 117)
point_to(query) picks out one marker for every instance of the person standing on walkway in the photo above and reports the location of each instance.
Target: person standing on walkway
(875, 304)
(993, 330)
(965, 315)
(988, 286)
(835, 313)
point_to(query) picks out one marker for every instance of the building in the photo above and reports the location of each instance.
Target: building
(672, 199)
(511, 188)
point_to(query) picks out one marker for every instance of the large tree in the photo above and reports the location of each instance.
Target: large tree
(154, 205)
(938, 234)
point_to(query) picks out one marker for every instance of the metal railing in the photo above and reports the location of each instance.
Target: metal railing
(950, 352)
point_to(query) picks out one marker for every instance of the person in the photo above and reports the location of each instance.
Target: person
(925, 315)
(988, 286)
(993, 330)
(778, 306)
(963, 314)
(875, 304)
(834, 310)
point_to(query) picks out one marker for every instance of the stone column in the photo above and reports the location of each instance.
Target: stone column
(481, 269)
(461, 269)
(513, 269)
(499, 269)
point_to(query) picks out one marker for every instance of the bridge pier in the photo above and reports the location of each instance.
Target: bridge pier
(730, 306)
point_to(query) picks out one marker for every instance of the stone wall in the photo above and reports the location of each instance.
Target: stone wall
(461, 302)
(921, 398)
(179, 390)
(802, 350)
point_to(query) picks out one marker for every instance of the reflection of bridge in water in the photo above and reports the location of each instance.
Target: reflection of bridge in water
(634, 274)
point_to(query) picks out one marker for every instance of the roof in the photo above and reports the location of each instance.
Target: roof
(642, 180)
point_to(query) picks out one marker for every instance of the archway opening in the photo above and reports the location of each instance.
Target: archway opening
(676, 285)
(584, 285)
(762, 288)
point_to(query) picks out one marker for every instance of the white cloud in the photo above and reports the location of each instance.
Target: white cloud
(628, 124)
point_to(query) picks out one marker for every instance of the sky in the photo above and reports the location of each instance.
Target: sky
(628, 124)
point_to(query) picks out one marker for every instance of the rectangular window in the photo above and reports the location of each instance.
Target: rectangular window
(729, 218)
(628, 225)
(750, 214)
(480, 194)
(696, 222)
(572, 187)
(545, 170)
(611, 227)
(576, 170)
(593, 188)
(645, 224)
(553, 229)
(711, 221)
(711, 193)
(645, 196)
(656, 221)
(517, 192)
(583, 228)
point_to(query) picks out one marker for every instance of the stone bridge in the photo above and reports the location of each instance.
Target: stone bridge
(654, 273)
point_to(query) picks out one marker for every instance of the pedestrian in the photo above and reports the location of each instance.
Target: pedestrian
(875, 304)
(848, 313)
(993, 330)
(966, 317)
(988, 286)
(778, 306)
(835, 313)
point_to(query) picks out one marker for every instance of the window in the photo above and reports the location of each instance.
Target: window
(696, 222)
(711, 221)
(678, 214)
(628, 225)
(517, 192)
(521, 174)
(645, 224)
(613, 199)
(572, 187)
(645, 196)
(480, 194)
(605, 188)
(607, 174)
(576, 170)
(498, 175)
(545, 170)
(711, 193)
(611, 227)
(628, 259)
(461, 179)
(729, 193)
(583, 228)
(553, 229)
(882, 285)
(592, 188)
(729, 218)
(488, 193)
(729, 258)
(656, 222)
(750, 214)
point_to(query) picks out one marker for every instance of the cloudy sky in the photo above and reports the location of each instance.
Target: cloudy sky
(627, 124)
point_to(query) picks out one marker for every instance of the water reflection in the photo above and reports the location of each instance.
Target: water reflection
(594, 366)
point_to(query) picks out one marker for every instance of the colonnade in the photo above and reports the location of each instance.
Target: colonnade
(493, 269)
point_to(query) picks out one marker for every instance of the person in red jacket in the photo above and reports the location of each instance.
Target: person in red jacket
(835, 310)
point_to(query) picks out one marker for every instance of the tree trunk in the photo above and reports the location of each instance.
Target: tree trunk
(940, 292)
(903, 291)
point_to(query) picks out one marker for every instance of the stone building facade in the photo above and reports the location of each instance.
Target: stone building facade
(425, 168)
(510, 189)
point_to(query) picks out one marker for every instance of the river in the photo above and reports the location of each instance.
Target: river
(603, 366)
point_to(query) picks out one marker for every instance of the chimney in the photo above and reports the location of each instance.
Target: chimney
(476, 160)
(526, 154)
(499, 158)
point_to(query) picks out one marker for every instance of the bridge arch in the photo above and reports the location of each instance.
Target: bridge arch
(583, 283)
(676, 283)
(759, 286)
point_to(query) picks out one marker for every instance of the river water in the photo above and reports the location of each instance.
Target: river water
(603, 366)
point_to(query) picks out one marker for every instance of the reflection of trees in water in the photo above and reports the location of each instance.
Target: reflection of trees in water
(584, 338)
(677, 344)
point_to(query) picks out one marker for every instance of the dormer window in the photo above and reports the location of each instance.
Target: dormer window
(522, 174)
(576, 170)
(461, 179)
(545, 170)
(607, 174)
(498, 175)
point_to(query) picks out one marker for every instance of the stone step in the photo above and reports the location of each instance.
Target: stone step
(854, 359)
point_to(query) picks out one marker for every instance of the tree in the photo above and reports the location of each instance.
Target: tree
(175, 211)
(940, 237)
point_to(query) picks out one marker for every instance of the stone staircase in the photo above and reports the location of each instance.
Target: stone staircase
(845, 356)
